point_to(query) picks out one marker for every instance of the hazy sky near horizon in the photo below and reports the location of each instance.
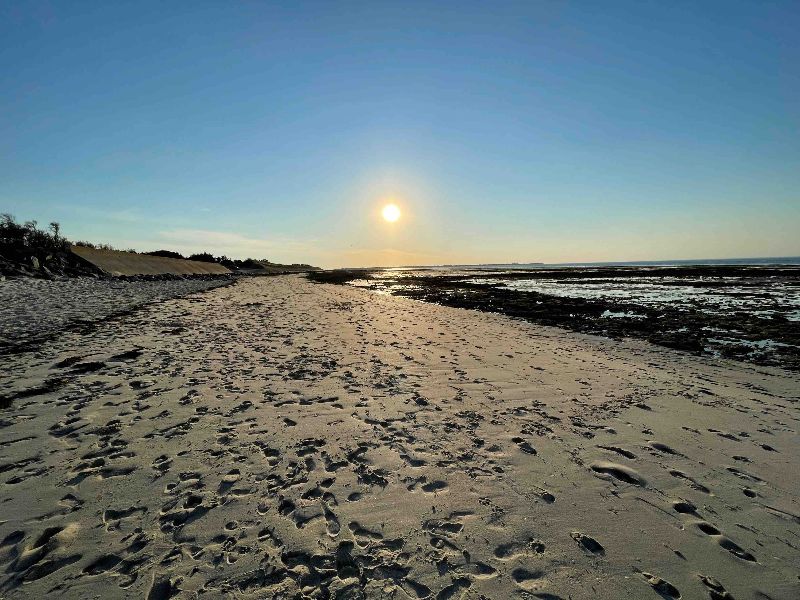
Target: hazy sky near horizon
(507, 131)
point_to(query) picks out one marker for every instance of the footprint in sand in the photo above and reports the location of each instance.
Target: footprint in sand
(693, 483)
(434, 486)
(162, 464)
(526, 579)
(47, 554)
(663, 587)
(455, 590)
(446, 527)
(589, 544)
(513, 550)
(102, 564)
(715, 589)
(683, 507)
(363, 535)
(228, 480)
(619, 472)
(663, 448)
(524, 445)
(724, 541)
(620, 451)
(331, 521)
(744, 475)
(162, 588)
(112, 518)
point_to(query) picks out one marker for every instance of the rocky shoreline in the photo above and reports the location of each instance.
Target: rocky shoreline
(684, 328)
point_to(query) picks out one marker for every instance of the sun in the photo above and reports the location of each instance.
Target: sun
(391, 213)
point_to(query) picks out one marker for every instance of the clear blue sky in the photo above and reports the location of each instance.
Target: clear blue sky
(505, 131)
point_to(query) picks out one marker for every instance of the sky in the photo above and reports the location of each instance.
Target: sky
(504, 131)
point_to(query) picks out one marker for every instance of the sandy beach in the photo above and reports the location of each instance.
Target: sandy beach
(279, 438)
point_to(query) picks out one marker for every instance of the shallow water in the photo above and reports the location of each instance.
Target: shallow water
(763, 299)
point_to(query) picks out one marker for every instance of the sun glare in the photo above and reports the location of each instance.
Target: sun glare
(391, 212)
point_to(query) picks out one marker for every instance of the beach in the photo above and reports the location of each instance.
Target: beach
(279, 438)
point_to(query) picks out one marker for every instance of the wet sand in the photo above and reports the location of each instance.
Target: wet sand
(744, 312)
(279, 438)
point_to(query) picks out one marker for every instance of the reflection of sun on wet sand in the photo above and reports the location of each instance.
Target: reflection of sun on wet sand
(279, 438)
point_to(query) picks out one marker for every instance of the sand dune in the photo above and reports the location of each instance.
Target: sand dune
(115, 262)
(279, 438)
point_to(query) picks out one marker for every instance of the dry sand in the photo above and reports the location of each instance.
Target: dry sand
(283, 439)
(34, 309)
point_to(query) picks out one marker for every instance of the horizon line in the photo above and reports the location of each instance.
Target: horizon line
(687, 261)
